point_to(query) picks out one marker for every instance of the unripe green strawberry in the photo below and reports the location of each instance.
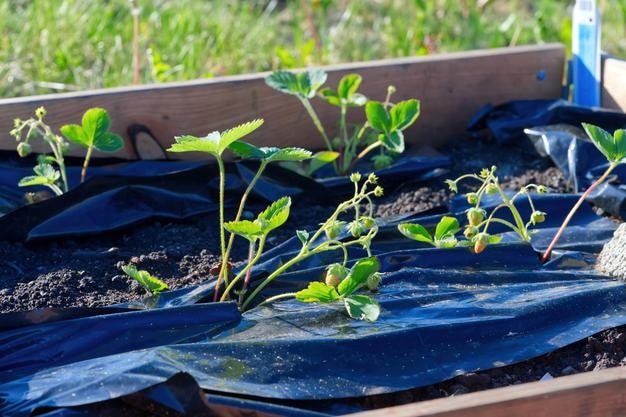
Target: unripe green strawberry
(475, 216)
(334, 229)
(367, 222)
(382, 161)
(470, 232)
(335, 274)
(481, 241)
(537, 217)
(24, 149)
(472, 198)
(492, 189)
(373, 281)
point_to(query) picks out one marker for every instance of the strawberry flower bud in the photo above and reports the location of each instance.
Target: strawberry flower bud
(355, 177)
(378, 191)
(537, 217)
(367, 222)
(542, 189)
(334, 229)
(356, 228)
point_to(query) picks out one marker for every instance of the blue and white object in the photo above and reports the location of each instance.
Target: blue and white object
(586, 51)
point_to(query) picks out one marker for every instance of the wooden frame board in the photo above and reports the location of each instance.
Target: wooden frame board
(591, 394)
(614, 84)
(451, 87)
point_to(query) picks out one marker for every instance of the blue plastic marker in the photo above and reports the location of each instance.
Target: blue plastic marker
(586, 51)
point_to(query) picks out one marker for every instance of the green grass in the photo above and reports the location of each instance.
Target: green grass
(64, 45)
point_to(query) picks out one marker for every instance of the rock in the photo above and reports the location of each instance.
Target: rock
(612, 259)
(569, 370)
(458, 389)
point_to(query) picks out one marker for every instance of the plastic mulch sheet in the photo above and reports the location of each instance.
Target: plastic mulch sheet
(444, 312)
(124, 194)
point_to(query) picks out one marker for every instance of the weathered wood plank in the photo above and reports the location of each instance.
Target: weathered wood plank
(452, 87)
(591, 394)
(614, 84)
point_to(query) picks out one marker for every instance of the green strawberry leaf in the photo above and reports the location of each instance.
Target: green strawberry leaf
(288, 154)
(330, 96)
(95, 122)
(404, 114)
(446, 228)
(275, 215)
(603, 141)
(303, 235)
(620, 143)
(416, 231)
(348, 85)
(393, 141)
(151, 283)
(207, 144)
(108, 142)
(362, 307)
(377, 116)
(317, 292)
(245, 228)
(358, 275)
(76, 134)
(229, 136)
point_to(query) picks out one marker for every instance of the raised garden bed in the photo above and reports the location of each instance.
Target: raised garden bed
(85, 272)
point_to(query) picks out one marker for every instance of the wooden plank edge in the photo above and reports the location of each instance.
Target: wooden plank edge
(587, 394)
(614, 83)
(353, 66)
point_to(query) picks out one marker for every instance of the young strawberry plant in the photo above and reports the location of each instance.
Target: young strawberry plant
(613, 147)
(362, 229)
(94, 133)
(150, 283)
(477, 229)
(383, 129)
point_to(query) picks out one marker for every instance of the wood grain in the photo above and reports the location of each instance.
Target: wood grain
(614, 84)
(451, 87)
(592, 394)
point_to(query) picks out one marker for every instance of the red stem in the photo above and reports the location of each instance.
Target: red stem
(546, 256)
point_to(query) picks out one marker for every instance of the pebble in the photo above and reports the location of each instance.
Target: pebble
(568, 370)
(612, 258)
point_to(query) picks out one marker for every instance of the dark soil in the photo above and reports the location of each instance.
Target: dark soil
(86, 272)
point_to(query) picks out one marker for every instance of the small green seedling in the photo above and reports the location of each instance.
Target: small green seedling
(613, 147)
(385, 121)
(93, 134)
(444, 236)
(151, 284)
(26, 130)
(364, 273)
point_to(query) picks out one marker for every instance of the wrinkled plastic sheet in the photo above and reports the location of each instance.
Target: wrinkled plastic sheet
(119, 195)
(444, 312)
(554, 128)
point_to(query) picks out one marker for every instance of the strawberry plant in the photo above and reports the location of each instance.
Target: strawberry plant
(383, 129)
(50, 170)
(478, 221)
(327, 238)
(150, 283)
(613, 147)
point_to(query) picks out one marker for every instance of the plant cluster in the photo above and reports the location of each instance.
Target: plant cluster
(478, 221)
(50, 170)
(333, 234)
(383, 129)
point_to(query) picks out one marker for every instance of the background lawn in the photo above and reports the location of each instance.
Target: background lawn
(65, 45)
